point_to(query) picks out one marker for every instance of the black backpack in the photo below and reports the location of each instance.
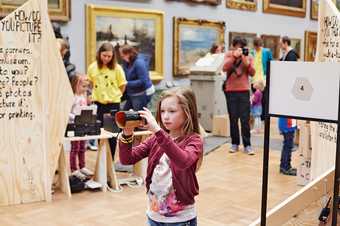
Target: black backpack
(76, 184)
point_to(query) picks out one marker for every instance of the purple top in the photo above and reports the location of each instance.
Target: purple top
(257, 98)
(183, 152)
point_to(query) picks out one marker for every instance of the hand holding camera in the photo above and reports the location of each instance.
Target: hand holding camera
(128, 120)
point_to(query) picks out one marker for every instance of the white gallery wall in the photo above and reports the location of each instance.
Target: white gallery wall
(236, 20)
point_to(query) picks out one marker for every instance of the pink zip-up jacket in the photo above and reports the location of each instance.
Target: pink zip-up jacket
(183, 152)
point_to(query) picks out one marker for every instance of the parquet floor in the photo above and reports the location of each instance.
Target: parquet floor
(230, 194)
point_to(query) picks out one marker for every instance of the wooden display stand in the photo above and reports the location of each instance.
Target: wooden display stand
(36, 98)
(104, 172)
(221, 126)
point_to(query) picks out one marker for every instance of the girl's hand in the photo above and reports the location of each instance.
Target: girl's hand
(151, 124)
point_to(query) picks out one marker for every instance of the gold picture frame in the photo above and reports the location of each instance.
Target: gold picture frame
(192, 40)
(208, 2)
(310, 45)
(59, 10)
(314, 9)
(248, 5)
(295, 8)
(138, 27)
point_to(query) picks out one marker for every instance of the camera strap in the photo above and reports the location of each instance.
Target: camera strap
(233, 68)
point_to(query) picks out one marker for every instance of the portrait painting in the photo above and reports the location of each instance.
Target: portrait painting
(193, 40)
(310, 45)
(141, 29)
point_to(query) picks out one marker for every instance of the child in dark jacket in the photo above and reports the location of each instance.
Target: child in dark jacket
(174, 153)
(287, 128)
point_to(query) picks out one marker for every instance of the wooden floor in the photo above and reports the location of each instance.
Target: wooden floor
(230, 194)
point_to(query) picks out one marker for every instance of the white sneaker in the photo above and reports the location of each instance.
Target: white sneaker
(86, 171)
(78, 174)
(233, 148)
(249, 150)
(92, 147)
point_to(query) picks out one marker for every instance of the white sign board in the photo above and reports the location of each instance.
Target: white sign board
(304, 89)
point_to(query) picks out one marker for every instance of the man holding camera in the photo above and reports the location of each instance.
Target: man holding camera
(238, 66)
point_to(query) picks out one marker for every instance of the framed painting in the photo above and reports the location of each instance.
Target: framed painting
(248, 5)
(285, 7)
(296, 45)
(310, 45)
(142, 29)
(210, 2)
(59, 10)
(272, 42)
(314, 9)
(248, 36)
(193, 40)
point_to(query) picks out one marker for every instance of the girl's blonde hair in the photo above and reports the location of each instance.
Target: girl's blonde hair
(187, 100)
(259, 85)
(77, 81)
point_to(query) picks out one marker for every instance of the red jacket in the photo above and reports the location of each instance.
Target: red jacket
(183, 153)
(238, 80)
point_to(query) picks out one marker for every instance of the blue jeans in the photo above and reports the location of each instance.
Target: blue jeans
(135, 103)
(192, 222)
(286, 154)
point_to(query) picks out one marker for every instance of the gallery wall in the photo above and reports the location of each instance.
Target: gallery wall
(236, 20)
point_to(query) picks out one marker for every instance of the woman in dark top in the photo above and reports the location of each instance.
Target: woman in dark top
(139, 87)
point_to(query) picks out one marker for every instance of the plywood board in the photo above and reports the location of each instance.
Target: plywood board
(32, 85)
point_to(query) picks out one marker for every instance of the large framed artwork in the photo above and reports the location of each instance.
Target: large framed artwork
(248, 5)
(285, 7)
(310, 45)
(59, 10)
(272, 42)
(296, 45)
(248, 36)
(210, 2)
(142, 29)
(314, 9)
(192, 40)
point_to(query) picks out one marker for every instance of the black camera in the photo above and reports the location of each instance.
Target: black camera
(245, 51)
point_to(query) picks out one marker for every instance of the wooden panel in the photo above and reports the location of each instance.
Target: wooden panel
(60, 98)
(22, 153)
(221, 125)
(32, 79)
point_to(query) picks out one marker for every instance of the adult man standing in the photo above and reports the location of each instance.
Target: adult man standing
(262, 57)
(287, 126)
(238, 66)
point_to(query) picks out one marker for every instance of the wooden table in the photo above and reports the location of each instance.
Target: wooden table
(104, 172)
